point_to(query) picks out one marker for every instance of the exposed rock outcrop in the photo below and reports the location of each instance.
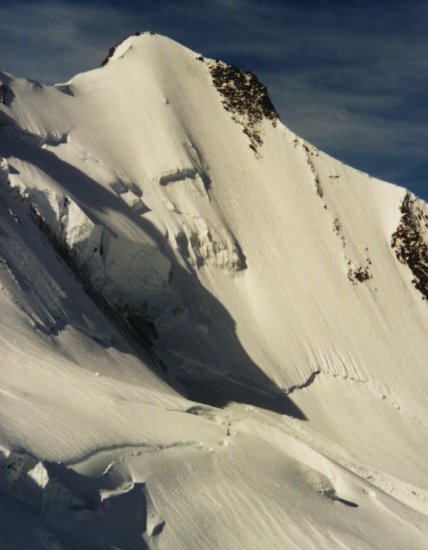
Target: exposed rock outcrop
(409, 241)
(245, 97)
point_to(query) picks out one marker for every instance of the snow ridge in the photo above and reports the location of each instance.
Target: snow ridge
(209, 336)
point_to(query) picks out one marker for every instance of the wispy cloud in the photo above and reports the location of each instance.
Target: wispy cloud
(350, 78)
(53, 40)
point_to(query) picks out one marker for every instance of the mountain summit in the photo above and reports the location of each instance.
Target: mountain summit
(213, 334)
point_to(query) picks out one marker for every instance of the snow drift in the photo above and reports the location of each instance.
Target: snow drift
(213, 334)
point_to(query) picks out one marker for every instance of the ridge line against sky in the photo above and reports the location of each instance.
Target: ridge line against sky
(351, 79)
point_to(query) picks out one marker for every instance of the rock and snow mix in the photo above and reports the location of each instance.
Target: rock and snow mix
(213, 335)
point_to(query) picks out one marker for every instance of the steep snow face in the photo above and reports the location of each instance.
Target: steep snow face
(219, 248)
(154, 149)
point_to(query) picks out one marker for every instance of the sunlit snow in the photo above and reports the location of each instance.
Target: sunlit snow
(209, 337)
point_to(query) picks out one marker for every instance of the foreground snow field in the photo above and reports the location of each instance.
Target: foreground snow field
(213, 335)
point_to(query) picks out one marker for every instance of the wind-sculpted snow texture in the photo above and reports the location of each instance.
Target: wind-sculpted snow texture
(212, 334)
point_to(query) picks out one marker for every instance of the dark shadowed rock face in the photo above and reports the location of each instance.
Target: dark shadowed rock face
(3, 91)
(110, 54)
(245, 97)
(409, 244)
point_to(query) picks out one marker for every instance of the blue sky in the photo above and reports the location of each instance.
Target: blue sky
(350, 77)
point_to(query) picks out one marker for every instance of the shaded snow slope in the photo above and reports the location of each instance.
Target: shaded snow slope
(165, 238)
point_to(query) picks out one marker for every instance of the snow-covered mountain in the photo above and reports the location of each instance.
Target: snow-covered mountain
(213, 335)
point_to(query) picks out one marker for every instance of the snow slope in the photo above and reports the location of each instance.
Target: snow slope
(213, 334)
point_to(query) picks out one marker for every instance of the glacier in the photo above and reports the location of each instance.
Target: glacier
(213, 335)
